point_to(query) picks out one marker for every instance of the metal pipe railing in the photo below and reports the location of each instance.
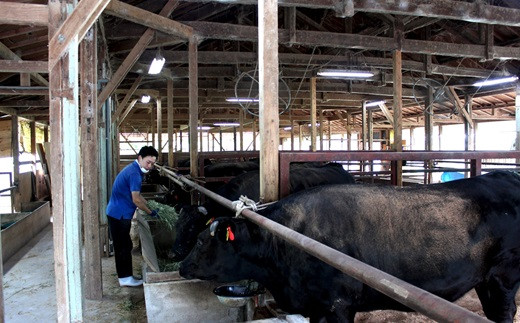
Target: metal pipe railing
(413, 297)
(8, 189)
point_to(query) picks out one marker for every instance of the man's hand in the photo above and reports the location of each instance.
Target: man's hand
(154, 214)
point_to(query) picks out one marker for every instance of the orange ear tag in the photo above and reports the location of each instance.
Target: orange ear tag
(210, 221)
(229, 234)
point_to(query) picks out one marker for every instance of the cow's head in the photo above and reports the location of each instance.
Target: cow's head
(192, 221)
(219, 253)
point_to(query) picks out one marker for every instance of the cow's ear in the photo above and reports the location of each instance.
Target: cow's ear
(229, 230)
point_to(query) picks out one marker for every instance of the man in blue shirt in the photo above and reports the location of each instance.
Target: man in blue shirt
(125, 198)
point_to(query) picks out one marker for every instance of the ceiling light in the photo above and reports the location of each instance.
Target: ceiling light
(374, 103)
(497, 81)
(242, 100)
(145, 99)
(226, 124)
(204, 128)
(287, 128)
(157, 64)
(317, 124)
(346, 73)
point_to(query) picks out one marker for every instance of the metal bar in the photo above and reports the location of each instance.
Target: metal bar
(287, 157)
(8, 189)
(420, 300)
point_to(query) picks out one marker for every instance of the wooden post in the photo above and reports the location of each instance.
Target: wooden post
(313, 114)
(234, 138)
(15, 148)
(32, 125)
(370, 130)
(517, 119)
(180, 139)
(398, 115)
(300, 136)
(152, 126)
(90, 163)
(220, 139)
(169, 108)
(200, 145)
(440, 137)
(364, 126)
(292, 129)
(194, 107)
(428, 132)
(468, 131)
(159, 128)
(254, 134)
(321, 129)
(241, 120)
(64, 123)
(330, 135)
(349, 133)
(268, 85)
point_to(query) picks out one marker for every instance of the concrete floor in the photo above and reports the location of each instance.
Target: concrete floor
(30, 295)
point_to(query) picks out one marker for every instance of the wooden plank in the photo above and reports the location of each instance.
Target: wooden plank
(159, 128)
(8, 54)
(463, 114)
(241, 128)
(194, 108)
(169, 103)
(74, 28)
(14, 66)
(148, 19)
(12, 13)
(90, 163)
(387, 113)
(268, 86)
(133, 56)
(64, 124)
(127, 97)
(15, 149)
(313, 113)
(127, 111)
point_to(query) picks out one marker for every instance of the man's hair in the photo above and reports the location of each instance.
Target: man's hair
(148, 151)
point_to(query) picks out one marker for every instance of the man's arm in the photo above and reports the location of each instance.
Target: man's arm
(140, 202)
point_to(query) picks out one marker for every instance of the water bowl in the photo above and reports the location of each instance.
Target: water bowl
(236, 295)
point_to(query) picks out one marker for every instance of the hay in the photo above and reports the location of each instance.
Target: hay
(167, 214)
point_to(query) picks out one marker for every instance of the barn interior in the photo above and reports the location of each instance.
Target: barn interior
(366, 83)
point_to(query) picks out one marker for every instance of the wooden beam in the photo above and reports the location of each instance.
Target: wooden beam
(12, 13)
(64, 124)
(313, 113)
(169, 107)
(194, 109)
(343, 122)
(268, 93)
(444, 9)
(14, 66)
(15, 149)
(148, 19)
(23, 90)
(398, 116)
(387, 114)
(6, 53)
(90, 162)
(127, 111)
(133, 56)
(214, 30)
(127, 97)
(321, 129)
(74, 27)
(463, 114)
(159, 128)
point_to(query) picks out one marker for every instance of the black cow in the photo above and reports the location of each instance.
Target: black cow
(445, 238)
(194, 219)
(229, 168)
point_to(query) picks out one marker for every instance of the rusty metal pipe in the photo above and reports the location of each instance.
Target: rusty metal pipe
(415, 298)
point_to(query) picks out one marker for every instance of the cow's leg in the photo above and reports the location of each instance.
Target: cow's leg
(497, 296)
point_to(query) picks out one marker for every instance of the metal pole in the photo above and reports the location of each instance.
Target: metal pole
(420, 300)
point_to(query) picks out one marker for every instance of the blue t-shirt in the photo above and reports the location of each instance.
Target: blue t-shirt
(127, 181)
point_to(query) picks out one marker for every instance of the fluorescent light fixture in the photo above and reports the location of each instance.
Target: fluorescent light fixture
(157, 64)
(287, 128)
(496, 81)
(374, 103)
(227, 124)
(242, 100)
(145, 99)
(346, 73)
(317, 124)
(204, 128)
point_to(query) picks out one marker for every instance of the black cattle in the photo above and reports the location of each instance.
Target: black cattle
(229, 168)
(194, 219)
(445, 238)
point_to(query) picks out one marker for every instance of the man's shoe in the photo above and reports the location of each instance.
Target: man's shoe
(130, 282)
